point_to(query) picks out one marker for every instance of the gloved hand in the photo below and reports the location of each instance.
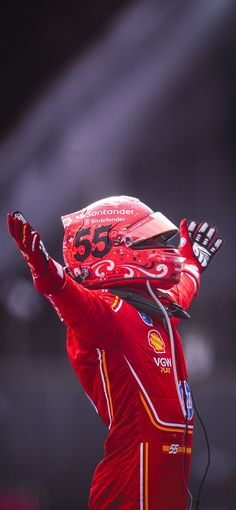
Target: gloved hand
(199, 242)
(29, 243)
(48, 275)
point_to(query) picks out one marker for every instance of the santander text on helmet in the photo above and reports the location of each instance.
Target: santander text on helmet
(104, 211)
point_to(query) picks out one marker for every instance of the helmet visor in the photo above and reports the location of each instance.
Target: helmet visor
(155, 225)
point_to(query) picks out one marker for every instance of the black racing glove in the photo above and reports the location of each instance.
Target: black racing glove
(199, 242)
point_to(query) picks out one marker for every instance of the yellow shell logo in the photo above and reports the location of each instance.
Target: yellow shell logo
(156, 341)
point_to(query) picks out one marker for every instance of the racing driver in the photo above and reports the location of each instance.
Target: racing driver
(121, 295)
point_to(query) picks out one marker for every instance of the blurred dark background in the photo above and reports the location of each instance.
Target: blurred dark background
(118, 97)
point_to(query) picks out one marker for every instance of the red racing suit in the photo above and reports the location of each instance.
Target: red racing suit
(134, 372)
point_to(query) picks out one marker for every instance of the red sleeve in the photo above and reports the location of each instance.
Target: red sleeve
(90, 315)
(184, 292)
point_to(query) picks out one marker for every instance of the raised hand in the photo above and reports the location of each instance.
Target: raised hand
(29, 243)
(199, 241)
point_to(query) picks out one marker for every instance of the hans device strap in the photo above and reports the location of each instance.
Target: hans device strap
(148, 306)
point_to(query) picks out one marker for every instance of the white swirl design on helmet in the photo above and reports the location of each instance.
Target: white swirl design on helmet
(131, 272)
(107, 265)
(161, 268)
(101, 268)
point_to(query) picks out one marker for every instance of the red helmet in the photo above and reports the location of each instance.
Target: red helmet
(119, 240)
